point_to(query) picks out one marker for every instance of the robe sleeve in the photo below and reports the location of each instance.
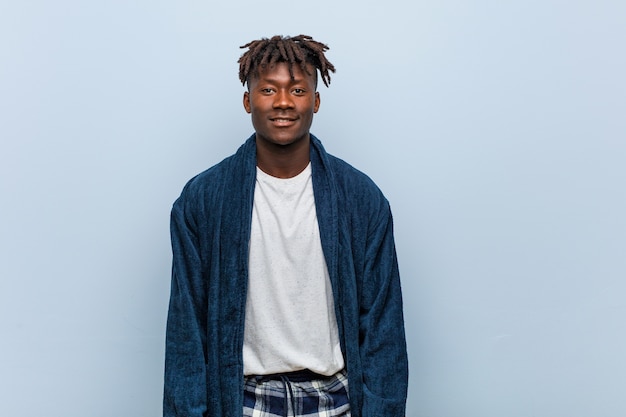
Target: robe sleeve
(381, 327)
(185, 364)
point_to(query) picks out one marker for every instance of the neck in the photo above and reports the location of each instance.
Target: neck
(283, 161)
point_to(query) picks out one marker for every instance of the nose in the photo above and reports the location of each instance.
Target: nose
(283, 100)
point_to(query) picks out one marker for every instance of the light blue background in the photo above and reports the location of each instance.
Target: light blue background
(497, 130)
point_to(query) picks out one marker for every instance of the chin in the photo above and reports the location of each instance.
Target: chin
(284, 141)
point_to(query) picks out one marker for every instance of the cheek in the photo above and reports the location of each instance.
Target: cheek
(258, 104)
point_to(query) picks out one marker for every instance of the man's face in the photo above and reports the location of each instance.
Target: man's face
(282, 108)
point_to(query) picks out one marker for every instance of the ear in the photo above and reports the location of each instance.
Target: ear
(246, 102)
(317, 102)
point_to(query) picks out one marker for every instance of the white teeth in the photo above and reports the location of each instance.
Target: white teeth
(282, 120)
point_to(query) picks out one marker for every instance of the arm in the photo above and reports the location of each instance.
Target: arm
(185, 370)
(382, 339)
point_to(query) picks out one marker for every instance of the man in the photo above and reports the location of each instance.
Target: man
(285, 296)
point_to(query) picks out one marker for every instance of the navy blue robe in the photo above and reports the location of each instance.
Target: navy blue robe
(210, 229)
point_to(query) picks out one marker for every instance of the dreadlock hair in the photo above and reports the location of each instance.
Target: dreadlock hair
(297, 50)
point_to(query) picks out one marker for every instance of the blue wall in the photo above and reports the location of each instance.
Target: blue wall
(496, 129)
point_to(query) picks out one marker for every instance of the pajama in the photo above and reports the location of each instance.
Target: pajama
(300, 394)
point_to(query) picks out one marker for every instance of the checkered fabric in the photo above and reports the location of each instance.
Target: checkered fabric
(299, 394)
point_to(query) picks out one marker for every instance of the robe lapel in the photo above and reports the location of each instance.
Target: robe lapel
(325, 192)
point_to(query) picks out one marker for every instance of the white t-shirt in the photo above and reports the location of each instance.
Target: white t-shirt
(290, 321)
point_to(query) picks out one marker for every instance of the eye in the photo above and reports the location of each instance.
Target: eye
(267, 90)
(299, 91)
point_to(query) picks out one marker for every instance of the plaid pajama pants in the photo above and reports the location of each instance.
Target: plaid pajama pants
(299, 394)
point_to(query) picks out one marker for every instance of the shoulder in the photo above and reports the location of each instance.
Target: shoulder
(346, 176)
(208, 184)
(355, 186)
(209, 177)
(356, 191)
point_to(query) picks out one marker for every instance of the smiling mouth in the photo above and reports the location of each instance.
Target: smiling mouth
(281, 122)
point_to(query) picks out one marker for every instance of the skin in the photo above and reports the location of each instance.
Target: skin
(282, 110)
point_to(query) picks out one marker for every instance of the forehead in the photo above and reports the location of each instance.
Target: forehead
(280, 72)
